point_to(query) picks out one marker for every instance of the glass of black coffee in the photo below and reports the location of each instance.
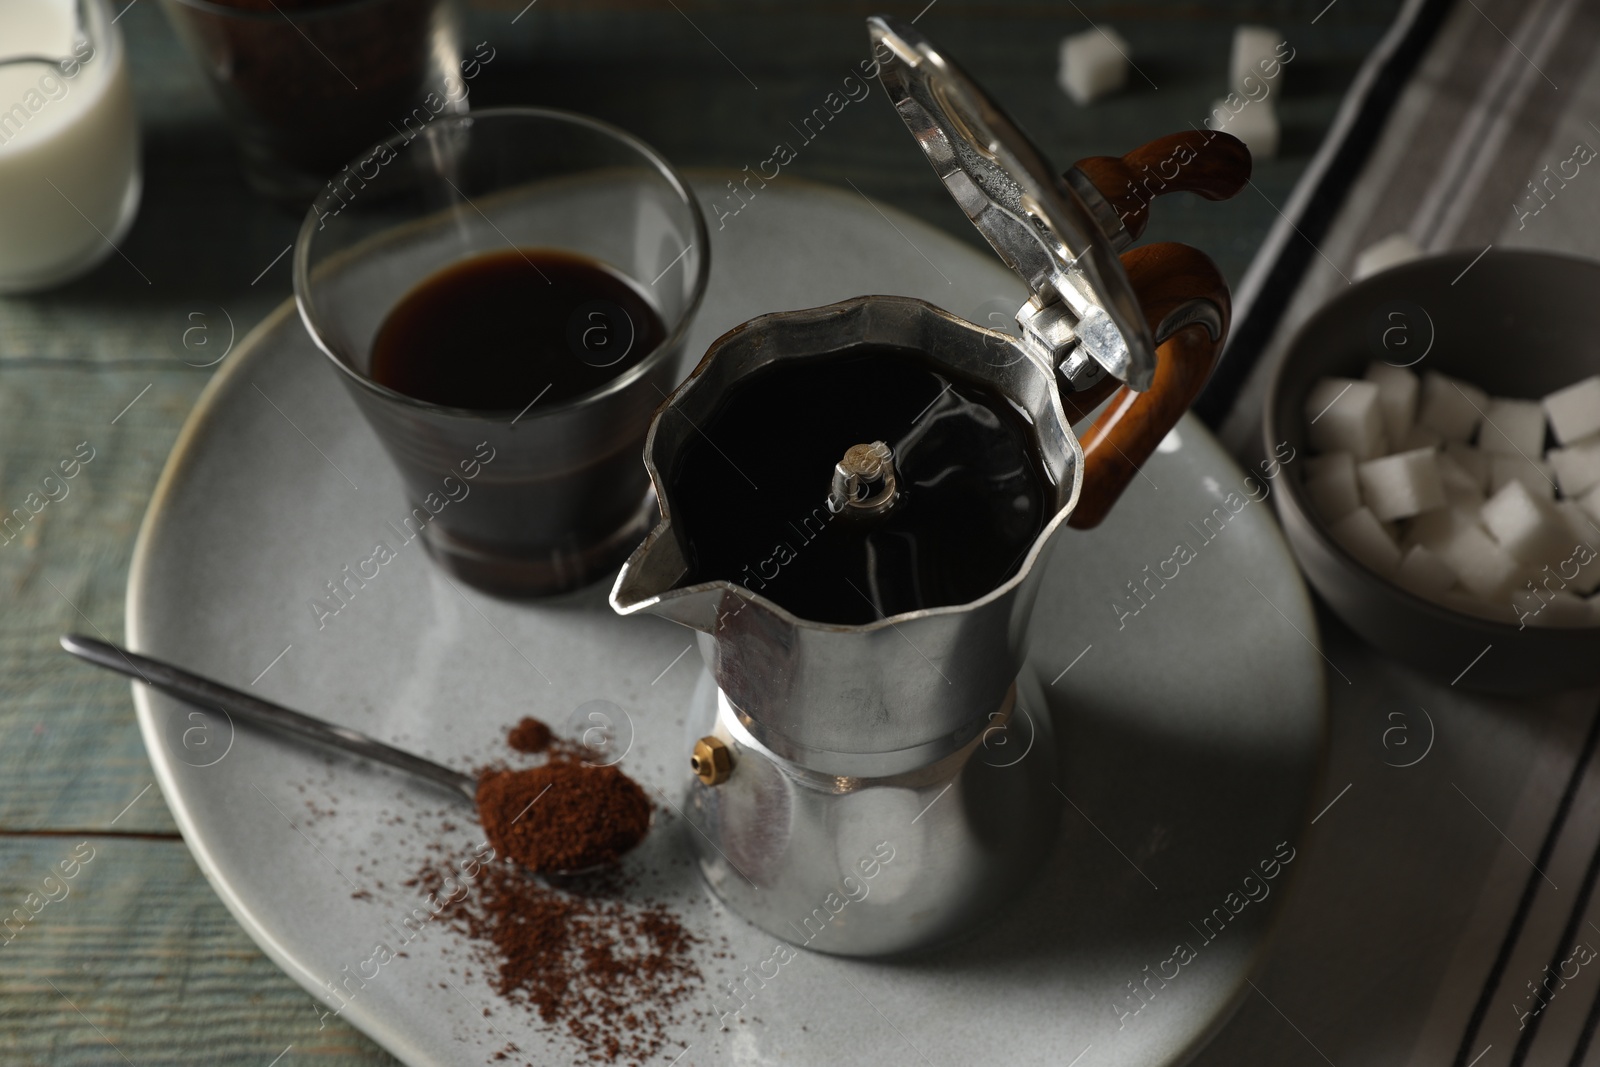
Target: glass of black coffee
(505, 294)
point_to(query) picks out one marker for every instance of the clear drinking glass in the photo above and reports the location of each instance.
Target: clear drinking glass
(529, 500)
(307, 85)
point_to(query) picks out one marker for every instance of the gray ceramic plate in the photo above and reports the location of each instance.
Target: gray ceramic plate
(1190, 732)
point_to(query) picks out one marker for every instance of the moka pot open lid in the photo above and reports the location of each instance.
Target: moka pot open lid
(1042, 229)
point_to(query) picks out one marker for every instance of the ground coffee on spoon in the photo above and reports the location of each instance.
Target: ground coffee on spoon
(611, 972)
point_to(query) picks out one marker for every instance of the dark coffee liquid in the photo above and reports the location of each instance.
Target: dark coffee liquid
(500, 330)
(751, 489)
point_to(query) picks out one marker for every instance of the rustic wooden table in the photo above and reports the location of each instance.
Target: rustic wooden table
(140, 962)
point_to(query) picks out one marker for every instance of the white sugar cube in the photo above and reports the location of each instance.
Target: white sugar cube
(1417, 437)
(1526, 525)
(1461, 490)
(1512, 428)
(1525, 599)
(1536, 474)
(1583, 526)
(1424, 573)
(1434, 528)
(1577, 468)
(1257, 53)
(1342, 415)
(1553, 609)
(1092, 64)
(1452, 473)
(1575, 411)
(1581, 567)
(1590, 503)
(1470, 460)
(1255, 122)
(1467, 499)
(1402, 485)
(1334, 463)
(1397, 400)
(1391, 251)
(1566, 610)
(1481, 565)
(1450, 406)
(1365, 538)
(1334, 496)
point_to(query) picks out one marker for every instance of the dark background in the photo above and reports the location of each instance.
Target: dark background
(657, 71)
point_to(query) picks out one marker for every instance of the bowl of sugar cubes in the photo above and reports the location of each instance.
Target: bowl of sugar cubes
(1445, 417)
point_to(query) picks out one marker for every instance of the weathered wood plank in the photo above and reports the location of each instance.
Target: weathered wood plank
(69, 749)
(137, 956)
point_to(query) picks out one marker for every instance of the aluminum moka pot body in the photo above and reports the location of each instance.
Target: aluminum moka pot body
(889, 695)
(878, 788)
(903, 732)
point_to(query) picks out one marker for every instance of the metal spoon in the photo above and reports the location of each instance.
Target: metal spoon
(252, 709)
(209, 694)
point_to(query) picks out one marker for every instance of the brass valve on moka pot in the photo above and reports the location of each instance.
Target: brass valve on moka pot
(871, 787)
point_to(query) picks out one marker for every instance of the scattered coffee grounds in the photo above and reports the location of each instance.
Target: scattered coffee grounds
(563, 816)
(530, 735)
(610, 972)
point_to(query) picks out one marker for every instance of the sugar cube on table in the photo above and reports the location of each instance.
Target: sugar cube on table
(1536, 474)
(1512, 428)
(1527, 525)
(1255, 122)
(1577, 467)
(1364, 537)
(1481, 565)
(1092, 64)
(1257, 53)
(1574, 412)
(1424, 573)
(1391, 251)
(1470, 460)
(1397, 400)
(1402, 485)
(1450, 406)
(1342, 415)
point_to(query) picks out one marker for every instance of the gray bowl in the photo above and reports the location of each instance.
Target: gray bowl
(1518, 324)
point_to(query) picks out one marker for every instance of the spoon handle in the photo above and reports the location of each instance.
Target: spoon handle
(209, 694)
